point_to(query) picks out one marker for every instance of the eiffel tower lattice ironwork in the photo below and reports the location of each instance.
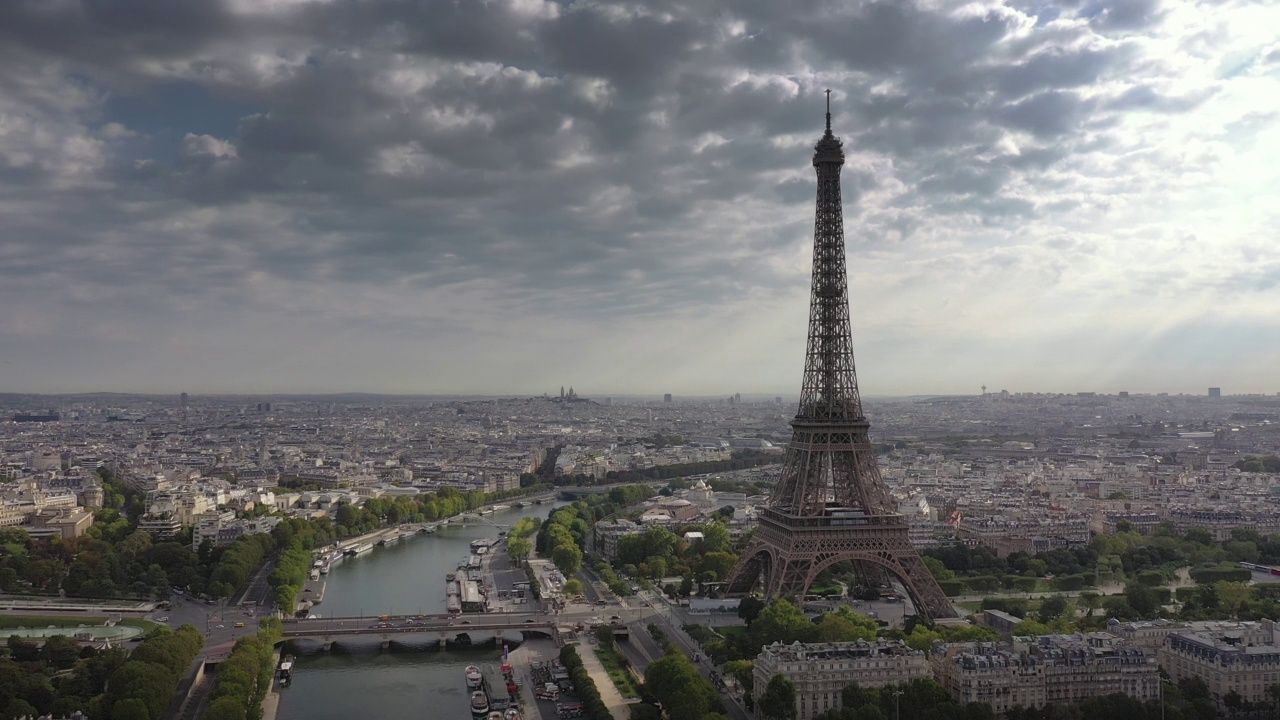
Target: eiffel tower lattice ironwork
(830, 504)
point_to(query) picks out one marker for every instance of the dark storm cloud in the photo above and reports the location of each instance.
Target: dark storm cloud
(587, 160)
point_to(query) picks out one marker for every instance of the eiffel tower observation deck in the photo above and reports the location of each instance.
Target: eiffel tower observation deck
(830, 504)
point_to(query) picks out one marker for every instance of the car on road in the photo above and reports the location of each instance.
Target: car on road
(529, 621)
(239, 624)
(614, 617)
(222, 627)
(466, 622)
(163, 619)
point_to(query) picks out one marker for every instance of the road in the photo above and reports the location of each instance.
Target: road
(258, 591)
(412, 623)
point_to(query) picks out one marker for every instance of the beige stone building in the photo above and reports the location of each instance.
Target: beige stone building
(821, 671)
(1227, 658)
(61, 522)
(1033, 672)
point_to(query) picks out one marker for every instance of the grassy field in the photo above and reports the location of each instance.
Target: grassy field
(620, 676)
(39, 621)
(731, 631)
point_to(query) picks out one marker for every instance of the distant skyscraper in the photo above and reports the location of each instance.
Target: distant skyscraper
(182, 400)
(737, 398)
(1215, 392)
(777, 400)
(666, 398)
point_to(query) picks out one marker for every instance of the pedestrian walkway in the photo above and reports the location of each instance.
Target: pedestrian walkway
(608, 693)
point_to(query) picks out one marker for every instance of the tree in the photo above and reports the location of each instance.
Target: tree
(677, 685)
(1052, 608)
(225, 708)
(1233, 702)
(60, 652)
(567, 558)
(572, 587)
(749, 609)
(1142, 599)
(743, 671)
(1091, 601)
(937, 569)
(782, 622)
(129, 709)
(715, 538)
(844, 625)
(518, 548)
(778, 702)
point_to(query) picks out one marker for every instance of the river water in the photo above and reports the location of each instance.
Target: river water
(359, 680)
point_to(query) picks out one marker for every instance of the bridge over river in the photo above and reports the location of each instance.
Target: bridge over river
(471, 629)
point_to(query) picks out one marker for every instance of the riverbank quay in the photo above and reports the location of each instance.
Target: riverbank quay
(271, 703)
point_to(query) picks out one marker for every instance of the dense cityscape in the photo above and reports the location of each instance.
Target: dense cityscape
(1122, 538)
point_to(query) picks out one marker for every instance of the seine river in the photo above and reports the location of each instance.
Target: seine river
(404, 578)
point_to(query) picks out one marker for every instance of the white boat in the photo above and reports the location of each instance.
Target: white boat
(513, 714)
(495, 715)
(479, 704)
(500, 508)
(474, 678)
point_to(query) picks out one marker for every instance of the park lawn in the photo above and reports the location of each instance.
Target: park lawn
(40, 621)
(729, 632)
(620, 676)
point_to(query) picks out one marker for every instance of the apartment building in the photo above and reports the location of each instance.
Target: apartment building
(1033, 672)
(821, 671)
(1245, 661)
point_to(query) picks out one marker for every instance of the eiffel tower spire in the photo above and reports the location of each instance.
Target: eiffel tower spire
(830, 504)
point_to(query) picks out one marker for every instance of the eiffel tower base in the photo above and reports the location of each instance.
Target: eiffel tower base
(788, 554)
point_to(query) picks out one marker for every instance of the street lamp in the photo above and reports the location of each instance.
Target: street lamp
(897, 709)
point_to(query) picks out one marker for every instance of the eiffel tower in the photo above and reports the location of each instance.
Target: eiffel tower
(830, 504)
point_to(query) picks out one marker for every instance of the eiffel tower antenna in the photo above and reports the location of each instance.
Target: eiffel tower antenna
(830, 504)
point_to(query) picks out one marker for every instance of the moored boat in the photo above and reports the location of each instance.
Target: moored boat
(286, 669)
(479, 704)
(474, 677)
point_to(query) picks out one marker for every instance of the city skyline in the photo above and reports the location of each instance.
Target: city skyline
(242, 197)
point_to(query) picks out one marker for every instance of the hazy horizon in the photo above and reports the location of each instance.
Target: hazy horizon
(754, 397)
(238, 197)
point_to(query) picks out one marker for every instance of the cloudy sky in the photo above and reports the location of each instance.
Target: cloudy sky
(504, 196)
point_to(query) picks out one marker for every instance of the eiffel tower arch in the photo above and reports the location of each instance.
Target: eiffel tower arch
(830, 504)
